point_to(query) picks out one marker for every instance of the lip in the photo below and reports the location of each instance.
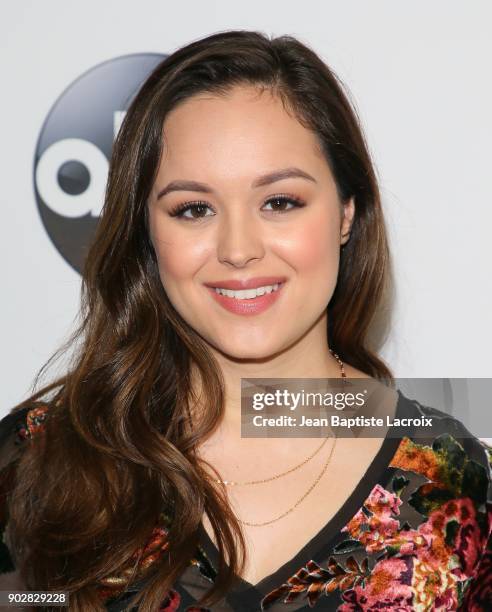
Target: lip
(247, 307)
(248, 283)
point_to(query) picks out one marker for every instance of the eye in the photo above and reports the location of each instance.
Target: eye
(278, 203)
(282, 200)
(194, 207)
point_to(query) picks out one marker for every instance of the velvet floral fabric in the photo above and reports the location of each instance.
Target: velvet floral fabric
(420, 542)
(443, 564)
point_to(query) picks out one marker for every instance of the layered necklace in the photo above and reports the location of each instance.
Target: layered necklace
(231, 483)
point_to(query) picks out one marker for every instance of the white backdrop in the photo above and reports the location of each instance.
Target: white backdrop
(420, 75)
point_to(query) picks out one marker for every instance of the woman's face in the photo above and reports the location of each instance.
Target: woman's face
(265, 210)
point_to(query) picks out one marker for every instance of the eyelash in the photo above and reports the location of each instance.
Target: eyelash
(178, 210)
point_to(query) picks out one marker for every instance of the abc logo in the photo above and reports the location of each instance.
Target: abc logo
(74, 146)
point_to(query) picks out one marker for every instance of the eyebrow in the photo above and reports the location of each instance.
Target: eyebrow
(261, 181)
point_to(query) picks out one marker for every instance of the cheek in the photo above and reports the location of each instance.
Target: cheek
(179, 261)
(313, 248)
(179, 256)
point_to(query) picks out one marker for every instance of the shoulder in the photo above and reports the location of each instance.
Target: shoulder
(17, 426)
(12, 431)
(443, 432)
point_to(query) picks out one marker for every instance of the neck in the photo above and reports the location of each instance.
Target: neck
(309, 357)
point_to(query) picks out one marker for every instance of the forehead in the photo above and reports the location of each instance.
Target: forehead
(246, 126)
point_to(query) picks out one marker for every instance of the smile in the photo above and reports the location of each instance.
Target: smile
(247, 294)
(247, 301)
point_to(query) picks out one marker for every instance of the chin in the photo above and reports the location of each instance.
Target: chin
(247, 350)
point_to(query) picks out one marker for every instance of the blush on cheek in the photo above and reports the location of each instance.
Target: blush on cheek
(180, 260)
(313, 247)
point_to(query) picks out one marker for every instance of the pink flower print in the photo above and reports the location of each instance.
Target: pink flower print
(382, 503)
(387, 588)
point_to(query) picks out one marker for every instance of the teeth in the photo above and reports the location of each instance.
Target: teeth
(247, 294)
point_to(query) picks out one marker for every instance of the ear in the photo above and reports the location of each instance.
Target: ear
(348, 212)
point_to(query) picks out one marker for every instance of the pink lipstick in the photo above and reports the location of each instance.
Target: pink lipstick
(271, 286)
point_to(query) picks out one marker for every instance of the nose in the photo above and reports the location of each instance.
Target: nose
(240, 238)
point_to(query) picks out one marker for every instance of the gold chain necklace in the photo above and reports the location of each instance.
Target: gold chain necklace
(231, 483)
(300, 499)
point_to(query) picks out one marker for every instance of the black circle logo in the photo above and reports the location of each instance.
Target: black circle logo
(74, 146)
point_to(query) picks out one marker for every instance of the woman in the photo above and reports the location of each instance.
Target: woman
(240, 165)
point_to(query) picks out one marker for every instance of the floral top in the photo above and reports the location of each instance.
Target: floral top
(415, 534)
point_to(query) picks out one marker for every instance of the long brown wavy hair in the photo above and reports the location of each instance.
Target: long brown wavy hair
(120, 445)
